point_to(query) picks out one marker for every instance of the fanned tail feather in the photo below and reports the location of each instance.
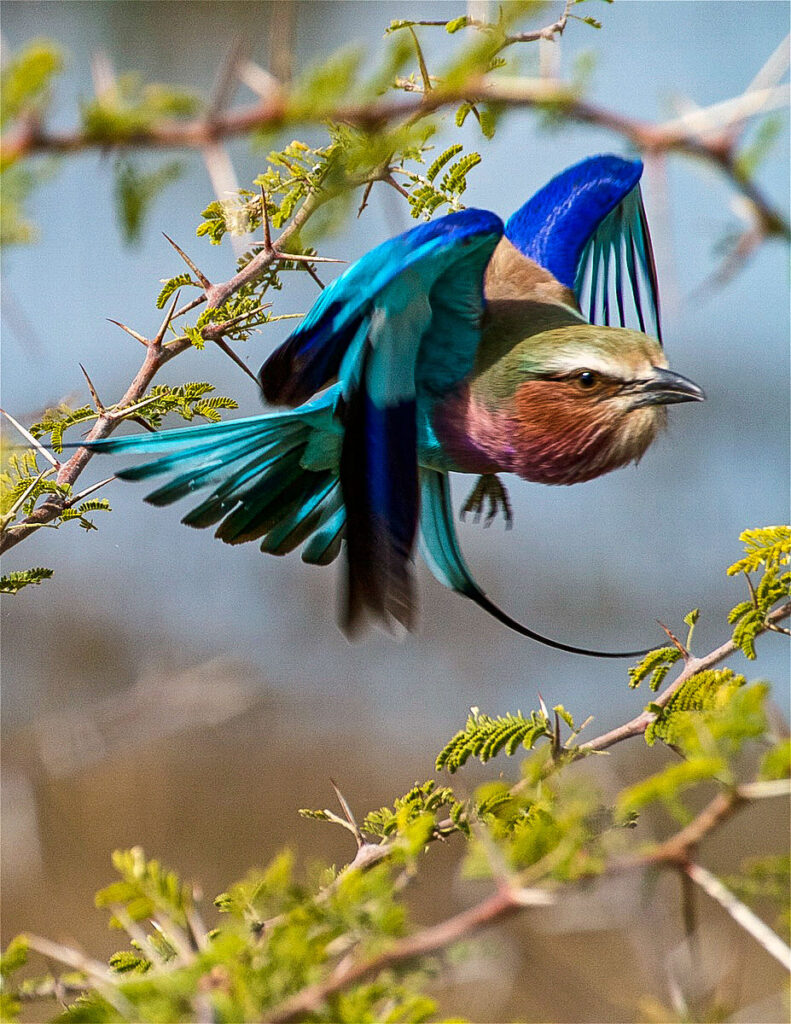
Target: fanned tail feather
(263, 488)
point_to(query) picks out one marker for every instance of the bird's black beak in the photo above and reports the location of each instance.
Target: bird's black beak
(664, 387)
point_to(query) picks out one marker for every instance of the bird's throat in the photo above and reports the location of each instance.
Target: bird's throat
(541, 435)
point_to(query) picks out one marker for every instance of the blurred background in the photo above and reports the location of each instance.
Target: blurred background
(167, 690)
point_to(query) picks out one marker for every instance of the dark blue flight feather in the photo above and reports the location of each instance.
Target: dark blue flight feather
(580, 221)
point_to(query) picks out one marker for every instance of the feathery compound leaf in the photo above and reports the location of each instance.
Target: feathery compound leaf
(657, 664)
(705, 691)
(79, 512)
(172, 285)
(56, 421)
(749, 617)
(769, 546)
(186, 400)
(427, 195)
(484, 737)
(443, 159)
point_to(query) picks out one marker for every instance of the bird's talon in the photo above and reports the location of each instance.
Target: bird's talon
(488, 490)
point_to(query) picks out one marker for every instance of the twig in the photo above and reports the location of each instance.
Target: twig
(502, 904)
(740, 913)
(637, 725)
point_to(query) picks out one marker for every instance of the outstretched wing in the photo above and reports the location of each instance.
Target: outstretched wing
(588, 227)
(311, 356)
(403, 319)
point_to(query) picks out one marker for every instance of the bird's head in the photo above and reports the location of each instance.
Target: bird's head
(588, 399)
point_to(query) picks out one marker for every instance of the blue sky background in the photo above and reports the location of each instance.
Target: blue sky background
(596, 564)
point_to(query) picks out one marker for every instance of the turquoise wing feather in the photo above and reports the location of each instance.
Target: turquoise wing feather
(419, 334)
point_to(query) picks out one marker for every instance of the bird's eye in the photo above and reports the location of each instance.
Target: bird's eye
(588, 379)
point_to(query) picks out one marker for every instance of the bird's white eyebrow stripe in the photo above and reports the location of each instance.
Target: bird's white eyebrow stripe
(570, 363)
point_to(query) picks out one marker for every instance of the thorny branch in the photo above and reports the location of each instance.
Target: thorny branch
(638, 725)
(711, 134)
(157, 354)
(511, 898)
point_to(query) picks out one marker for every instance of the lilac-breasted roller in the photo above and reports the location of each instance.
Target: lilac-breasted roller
(459, 346)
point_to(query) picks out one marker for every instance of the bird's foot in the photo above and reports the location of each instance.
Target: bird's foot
(489, 488)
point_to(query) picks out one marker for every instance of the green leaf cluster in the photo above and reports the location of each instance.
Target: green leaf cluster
(716, 719)
(276, 936)
(292, 174)
(702, 692)
(145, 889)
(767, 548)
(13, 582)
(484, 737)
(22, 484)
(421, 804)
(540, 829)
(131, 107)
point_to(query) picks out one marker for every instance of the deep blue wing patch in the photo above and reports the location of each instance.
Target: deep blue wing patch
(554, 226)
(588, 227)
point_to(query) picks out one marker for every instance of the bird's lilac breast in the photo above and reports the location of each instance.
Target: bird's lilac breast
(464, 435)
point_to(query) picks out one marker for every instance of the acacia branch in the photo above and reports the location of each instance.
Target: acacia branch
(706, 136)
(637, 725)
(157, 354)
(509, 899)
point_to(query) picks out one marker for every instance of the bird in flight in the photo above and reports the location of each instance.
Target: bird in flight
(459, 346)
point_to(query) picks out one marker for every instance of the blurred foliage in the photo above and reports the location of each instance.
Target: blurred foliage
(766, 880)
(136, 190)
(128, 107)
(335, 945)
(26, 79)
